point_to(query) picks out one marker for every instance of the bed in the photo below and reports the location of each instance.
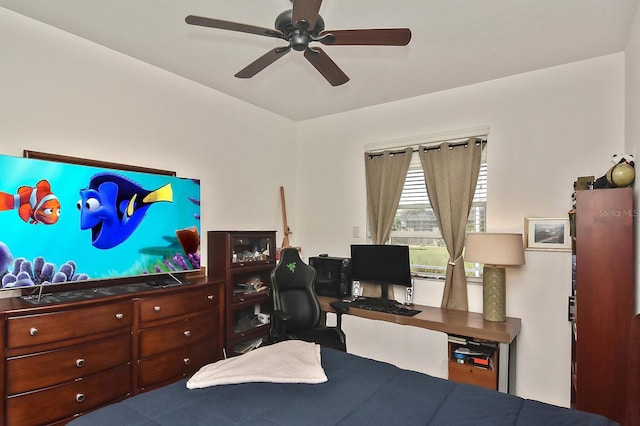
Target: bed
(356, 391)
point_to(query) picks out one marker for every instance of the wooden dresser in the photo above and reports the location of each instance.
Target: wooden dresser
(177, 335)
(65, 359)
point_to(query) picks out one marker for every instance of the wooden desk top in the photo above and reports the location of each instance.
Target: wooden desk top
(450, 321)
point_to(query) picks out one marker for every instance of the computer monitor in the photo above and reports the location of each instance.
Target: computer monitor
(382, 264)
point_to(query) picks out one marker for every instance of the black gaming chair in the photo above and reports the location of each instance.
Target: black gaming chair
(297, 313)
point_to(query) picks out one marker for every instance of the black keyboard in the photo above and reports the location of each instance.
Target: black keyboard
(382, 305)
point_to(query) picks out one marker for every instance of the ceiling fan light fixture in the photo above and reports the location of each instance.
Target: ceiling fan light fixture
(299, 41)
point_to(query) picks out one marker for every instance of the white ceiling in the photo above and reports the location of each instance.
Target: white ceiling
(454, 43)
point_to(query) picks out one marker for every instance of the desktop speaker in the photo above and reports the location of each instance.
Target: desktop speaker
(333, 276)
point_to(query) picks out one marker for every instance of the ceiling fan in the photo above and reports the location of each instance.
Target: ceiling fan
(299, 27)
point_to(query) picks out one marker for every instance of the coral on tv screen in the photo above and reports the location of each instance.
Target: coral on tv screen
(62, 222)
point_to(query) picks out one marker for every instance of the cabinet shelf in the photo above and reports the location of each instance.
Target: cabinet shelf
(242, 299)
(244, 260)
(249, 330)
(250, 263)
(473, 362)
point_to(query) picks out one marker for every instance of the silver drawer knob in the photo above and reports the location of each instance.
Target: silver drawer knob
(79, 397)
(119, 316)
(210, 297)
(156, 308)
(79, 362)
(186, 361)
(33, 331)
(187, 333)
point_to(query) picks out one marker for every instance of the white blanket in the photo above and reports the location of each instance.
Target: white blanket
(290, 361)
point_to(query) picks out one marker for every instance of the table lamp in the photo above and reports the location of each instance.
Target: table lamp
(495, 251)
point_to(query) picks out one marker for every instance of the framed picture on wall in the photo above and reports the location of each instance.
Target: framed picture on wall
(547, 233)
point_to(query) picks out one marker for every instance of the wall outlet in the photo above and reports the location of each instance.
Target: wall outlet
(356, 232)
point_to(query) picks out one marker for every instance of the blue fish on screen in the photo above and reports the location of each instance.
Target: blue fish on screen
(113, 206)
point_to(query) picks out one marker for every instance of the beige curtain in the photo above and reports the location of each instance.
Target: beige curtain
(451, 174)
(385, 174)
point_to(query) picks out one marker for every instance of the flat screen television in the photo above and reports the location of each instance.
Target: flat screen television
(381, 264)
(66, 223)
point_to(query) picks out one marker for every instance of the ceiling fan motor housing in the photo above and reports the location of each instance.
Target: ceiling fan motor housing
(284, 24)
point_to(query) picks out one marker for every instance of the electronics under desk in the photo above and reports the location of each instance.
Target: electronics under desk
(459, 323)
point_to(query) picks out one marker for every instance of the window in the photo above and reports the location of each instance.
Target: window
(415, 223)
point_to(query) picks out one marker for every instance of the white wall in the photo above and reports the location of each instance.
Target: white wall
(546, 128)
(632, 110)
(65, 95)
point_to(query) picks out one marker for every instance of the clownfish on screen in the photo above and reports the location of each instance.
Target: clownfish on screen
(34, 204)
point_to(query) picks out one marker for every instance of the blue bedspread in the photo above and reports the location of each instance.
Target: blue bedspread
(359, 391)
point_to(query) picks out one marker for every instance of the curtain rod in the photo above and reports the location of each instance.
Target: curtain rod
(429, 146)
(453, 145)
(414, 141)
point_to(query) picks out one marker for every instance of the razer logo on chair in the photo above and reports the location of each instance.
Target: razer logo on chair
(292, 266)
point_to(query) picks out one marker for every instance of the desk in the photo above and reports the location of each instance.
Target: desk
(459, 323)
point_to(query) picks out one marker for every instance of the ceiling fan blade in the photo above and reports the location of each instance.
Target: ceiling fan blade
(305, 10)
(232, 26)
(323, 63)
(373, 37)
(262, 62)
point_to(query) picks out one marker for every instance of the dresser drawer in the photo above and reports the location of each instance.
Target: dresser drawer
(61, 402)
(43, 369)
(176, 364)
(160, 307)
(58, 326)
(176, 334)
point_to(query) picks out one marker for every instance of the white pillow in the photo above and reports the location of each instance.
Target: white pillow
(290, 361)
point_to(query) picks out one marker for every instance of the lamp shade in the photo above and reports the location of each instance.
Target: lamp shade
(494, 248)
